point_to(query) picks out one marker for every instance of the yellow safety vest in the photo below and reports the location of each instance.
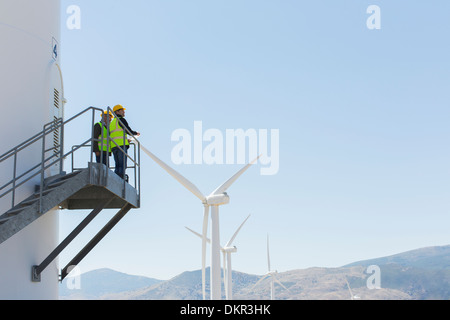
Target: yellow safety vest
(117, 134)
(103, 144)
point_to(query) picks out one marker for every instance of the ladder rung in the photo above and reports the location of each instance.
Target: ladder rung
(55, 184)
(4, 220)
(14, 212)
(70, 175)
(29, 201)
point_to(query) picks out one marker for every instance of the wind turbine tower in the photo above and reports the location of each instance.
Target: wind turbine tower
(227, 250)
(31, 90)
(217, 198)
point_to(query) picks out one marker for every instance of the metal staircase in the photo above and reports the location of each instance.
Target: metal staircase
(95, 187)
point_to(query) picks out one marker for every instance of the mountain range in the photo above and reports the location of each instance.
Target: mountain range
(422, 274)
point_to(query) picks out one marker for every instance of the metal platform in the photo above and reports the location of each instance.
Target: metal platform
(99, 184)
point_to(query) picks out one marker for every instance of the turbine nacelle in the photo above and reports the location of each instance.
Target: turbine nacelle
(229, 249)
(218, 199)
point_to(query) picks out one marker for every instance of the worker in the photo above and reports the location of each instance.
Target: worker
(120, 140)
(102, 149)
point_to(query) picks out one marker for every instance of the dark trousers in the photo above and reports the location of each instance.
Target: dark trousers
(121, 161)
(105, 155)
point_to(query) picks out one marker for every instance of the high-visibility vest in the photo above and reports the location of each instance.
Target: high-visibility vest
(103, 144)
(117, 134)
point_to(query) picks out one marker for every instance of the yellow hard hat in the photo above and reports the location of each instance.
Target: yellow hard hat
(110, 113)
(118, 107)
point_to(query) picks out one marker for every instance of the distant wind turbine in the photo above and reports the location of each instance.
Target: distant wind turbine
(217, 198)
(227, 250)
(271, 274)
(352, 297)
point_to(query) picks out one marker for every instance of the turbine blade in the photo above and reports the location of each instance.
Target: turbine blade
(278, 281)
(259, 281)
(204, 240)
(185, 182)
(230, 181)
(268, 254)
(199, 235)
(236, 233)
(349, 289)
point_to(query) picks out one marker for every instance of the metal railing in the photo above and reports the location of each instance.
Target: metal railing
(58, 156)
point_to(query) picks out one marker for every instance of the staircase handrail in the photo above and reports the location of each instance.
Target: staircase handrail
(59, 156)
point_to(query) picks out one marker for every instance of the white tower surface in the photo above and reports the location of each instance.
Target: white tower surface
(31, 95)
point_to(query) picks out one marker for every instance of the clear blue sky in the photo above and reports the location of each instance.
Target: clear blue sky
(363, 117)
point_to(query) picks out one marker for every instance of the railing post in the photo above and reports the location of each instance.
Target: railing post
(92, 135)
(139, 174)
(42, 172)
(108, 143)
(61, 143)
(135, 167)
(72, 159)
(125, 162)
(14, 179)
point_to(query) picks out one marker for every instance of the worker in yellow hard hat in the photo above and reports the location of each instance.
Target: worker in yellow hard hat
(108, 112)
(119, 137)
(102, 148)
(118, 107)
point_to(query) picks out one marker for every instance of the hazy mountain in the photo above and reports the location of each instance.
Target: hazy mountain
(425, 258)
(419, 274)
(101, 284)
(188, 286)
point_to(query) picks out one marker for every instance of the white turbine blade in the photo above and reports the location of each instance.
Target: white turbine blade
(204, 240)
(349, 289)
(236, 233)
(185, 182)
(278, 281)
(268, 254)
(229, 182)
(259, 281)
(199, 235)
